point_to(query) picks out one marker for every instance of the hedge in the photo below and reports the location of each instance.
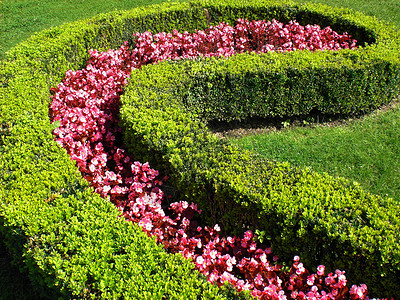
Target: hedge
(295, 84)
(69, 240)
(323, 219)
(52, 221)
(331, 221)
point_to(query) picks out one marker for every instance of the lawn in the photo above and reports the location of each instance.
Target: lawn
(373, 141)
(365, 149)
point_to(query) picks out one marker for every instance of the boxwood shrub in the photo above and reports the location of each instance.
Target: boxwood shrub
(71, 241)
(326, 220)
(293, 84)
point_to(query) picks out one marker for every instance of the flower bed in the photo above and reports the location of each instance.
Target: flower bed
(51, 216)
(87, 104)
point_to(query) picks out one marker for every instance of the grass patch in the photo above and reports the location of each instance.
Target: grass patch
(19, 19)
(388, 10)
(366, 150)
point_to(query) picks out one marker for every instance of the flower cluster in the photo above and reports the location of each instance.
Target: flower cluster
(261, 36)
(245, 36)
(86, 104)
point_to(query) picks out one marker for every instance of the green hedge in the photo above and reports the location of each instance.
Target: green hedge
(293, 84)
(69, 240)
(52, 221)
(325, 220)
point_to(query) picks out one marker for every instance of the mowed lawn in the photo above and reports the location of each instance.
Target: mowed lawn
(366, 150)
(373, 142)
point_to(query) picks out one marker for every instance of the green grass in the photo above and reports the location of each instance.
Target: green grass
(19, 19)
(370, 147)
(388, 10)
(365, 150)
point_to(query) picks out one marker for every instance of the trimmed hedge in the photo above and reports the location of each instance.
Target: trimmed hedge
(70, 240)
(52, 221)
(293, 84)
(325, 220)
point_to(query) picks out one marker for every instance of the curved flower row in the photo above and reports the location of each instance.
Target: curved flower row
(86, 104)
(245, 36)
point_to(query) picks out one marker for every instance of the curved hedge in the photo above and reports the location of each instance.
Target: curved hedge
(51, 216)
(294, 84)
(68, 238)
(325, 220)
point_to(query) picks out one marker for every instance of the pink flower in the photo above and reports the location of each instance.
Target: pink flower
(310, 280)
(258, 280)
(300, 269)
(320, 270)
(358, 292)
(200, 260)
(330, 279)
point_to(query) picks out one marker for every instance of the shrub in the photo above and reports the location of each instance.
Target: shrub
(300, 211)
(296, 208)
(86, 105)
